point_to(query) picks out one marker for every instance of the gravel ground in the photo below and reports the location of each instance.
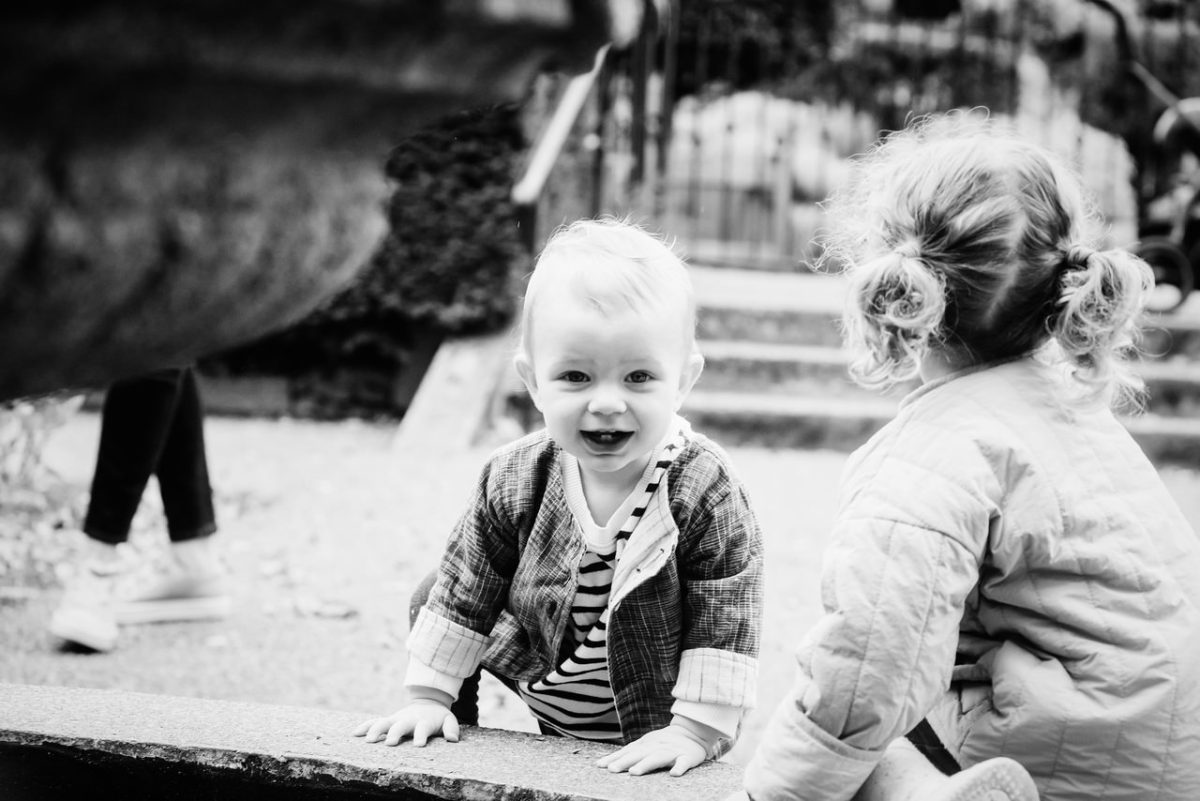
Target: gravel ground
(326, 528)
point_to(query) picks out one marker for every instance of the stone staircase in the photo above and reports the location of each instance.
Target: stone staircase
(776, 375)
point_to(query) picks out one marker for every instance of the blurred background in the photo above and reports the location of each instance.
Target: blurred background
(311, 196)
(331, 206)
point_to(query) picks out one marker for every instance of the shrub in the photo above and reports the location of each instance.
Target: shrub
(452, 247)
(447, 264)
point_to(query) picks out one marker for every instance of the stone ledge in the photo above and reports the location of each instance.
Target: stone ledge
(267, 751)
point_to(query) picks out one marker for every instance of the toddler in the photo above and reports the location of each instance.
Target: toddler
(1009, 582)
(608, 567)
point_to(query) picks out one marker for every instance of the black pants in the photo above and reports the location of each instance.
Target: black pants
(151, 425)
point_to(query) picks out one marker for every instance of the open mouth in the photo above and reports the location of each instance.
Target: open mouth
(607, 440)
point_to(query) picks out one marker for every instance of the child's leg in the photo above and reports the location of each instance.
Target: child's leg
(904, 774)
(466, 706)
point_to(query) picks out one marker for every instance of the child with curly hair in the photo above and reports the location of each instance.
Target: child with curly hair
(1009, 582)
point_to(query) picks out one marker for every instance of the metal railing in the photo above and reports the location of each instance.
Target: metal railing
(730, 142)
(597, 151)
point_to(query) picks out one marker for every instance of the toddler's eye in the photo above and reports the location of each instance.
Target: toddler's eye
(639, 377)
(574, 377)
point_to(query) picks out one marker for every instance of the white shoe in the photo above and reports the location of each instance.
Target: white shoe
(998, 779)
(84, 616)
(188, 585)
(93, 628)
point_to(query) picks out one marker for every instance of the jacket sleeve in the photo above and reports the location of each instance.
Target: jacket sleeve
(721, 569)
(904, 557)
(452, 630)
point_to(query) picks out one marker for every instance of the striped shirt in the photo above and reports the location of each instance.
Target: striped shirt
(576, 698)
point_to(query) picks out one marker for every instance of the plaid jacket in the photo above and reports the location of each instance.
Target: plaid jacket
(687, 628)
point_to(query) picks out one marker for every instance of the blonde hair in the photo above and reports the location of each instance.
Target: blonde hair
(612, 264)
(957, 233)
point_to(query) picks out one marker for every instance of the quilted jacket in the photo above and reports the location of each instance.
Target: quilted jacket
(1028, 540)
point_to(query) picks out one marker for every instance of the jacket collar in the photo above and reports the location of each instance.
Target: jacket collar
(940, 381)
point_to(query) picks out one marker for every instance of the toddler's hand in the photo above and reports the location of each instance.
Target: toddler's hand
(422, 718)
(672, 746)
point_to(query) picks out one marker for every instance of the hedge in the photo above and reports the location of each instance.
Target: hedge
(447, 265)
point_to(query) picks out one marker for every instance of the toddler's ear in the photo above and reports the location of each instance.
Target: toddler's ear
(691, 373)
(528, 378)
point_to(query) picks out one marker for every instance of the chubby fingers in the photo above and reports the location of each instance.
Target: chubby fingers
(425, 727)
(420, 732)
(650, 763)
(373, 729)
(450, 728)
(607, 759)
(685, 762)
(637, 759)
(422, 721)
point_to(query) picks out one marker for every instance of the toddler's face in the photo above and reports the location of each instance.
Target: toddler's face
(608, 385)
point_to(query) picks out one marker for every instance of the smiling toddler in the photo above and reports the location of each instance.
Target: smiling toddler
(608, 568)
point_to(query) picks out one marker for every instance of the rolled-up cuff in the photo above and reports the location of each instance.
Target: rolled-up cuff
(716, 676)
(796, 760)
(724, 719)
(422, 675)
(446, 646)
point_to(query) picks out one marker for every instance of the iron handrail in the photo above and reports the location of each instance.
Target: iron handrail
(549, 146)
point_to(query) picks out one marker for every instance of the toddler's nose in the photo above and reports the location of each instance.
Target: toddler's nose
(606, 401)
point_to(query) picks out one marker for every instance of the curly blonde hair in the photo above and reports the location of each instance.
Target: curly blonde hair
(958, 234)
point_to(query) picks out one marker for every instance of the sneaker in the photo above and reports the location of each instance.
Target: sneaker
(84, 616)
(998, 779)
(187, 585)
(93, 627)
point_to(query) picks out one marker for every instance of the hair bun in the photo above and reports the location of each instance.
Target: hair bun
(1078, 257)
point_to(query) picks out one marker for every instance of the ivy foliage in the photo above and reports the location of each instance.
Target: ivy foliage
(452, 247)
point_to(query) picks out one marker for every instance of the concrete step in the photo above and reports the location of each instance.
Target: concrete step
(1167, 440)
(756, 255)
(776, 373)
(787, 421)
(70, 742)
(821, 372)
(1175, 335)
(842, 424)
(738, 304)
(804, 308)
(1173, 386)
(790, 326)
